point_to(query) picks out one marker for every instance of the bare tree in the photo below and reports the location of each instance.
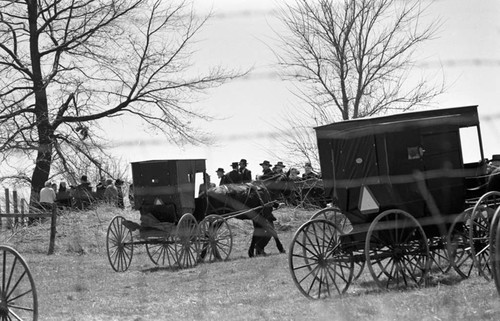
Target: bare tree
(353, 58)
(67, 64)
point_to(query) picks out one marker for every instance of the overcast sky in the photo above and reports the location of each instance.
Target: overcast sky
(466, 51)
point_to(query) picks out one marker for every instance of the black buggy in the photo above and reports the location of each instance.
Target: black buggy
(406, 203)
(183, 221)
(166, 193)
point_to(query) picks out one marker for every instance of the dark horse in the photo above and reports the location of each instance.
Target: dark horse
(244, 201)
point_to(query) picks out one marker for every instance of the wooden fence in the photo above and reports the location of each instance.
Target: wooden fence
(20, 211)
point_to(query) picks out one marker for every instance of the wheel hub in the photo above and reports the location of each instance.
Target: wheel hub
(4, 309)
(398, 253)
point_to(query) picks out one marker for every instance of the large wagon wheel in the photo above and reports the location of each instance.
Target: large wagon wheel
(495, 248)
(162, 251)
(335, 215)
(397, 250)
(18, 299)
(119, 244)
(187, 243)
(479, 232)
(318, 263)
(459, 249)
(216, 239)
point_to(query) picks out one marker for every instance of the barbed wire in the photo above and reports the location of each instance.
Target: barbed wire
(486, 120)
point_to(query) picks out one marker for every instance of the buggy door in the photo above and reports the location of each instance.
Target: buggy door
(404, 159)
(443, 164)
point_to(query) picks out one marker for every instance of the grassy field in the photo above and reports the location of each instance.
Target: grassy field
(77, 283)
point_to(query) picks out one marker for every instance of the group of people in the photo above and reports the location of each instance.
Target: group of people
(82, 195)
(279, 182)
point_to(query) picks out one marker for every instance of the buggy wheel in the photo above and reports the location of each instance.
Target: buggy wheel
(397, 250)
(495, 248)
(162, 252)
(318, 264)
(334, 215)
(119, 245)
(18, 298)
(459, 250)
(438, 250)
(216, 239)
(187, 243)
(479, 232)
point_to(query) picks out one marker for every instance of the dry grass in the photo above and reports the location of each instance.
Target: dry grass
(77, 283)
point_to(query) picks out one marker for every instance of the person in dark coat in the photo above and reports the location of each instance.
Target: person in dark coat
(119, 201)
(234, 176)
(223, 178)
(246, 174)
(308, 172)
(267, 173)
(494, 178)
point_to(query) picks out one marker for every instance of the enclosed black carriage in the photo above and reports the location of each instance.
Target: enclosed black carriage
(166, 193)
(401, 186)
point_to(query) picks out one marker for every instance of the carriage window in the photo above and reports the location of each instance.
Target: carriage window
(471, 151)
(198, 183)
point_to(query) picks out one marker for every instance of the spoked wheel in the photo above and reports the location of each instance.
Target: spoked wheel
(18, 299)
(479, 232)
(397, 250)
(334, 215)
(119, 245)
(187, 243)
(495, 248)
(318, 264)
(459, 249)
(438, 250)
(162, 251)
(216, 239)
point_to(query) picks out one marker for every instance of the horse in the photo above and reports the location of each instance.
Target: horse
(244, 201)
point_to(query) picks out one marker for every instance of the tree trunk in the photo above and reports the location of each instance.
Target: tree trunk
(41, 172)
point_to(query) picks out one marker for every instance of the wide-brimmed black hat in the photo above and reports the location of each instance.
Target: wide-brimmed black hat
(234, 164)
(279, 164)
(266, 162)
(243, 161)
(220, 169)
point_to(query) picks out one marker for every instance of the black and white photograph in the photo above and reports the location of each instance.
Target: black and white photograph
(249, 160)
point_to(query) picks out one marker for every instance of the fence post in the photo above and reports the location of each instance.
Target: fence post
(22, 211)
(52, 230)
(7, 207)
(15, 206)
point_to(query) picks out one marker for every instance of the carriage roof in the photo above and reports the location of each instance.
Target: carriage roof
(459, 116)
(370, 164)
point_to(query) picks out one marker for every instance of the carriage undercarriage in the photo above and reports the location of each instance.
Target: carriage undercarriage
(327, 255)
(181, 245)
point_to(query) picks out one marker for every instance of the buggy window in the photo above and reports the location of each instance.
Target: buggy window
(198, 182)
(471, 151)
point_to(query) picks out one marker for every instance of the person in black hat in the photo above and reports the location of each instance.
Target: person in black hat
(222, 177)
(234, 175)
(246, 174)
(309, 173)
(267, 173)
(494, 179)
(119, 201)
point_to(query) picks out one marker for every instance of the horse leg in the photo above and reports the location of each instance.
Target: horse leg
(279, 245)
(251, 249)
